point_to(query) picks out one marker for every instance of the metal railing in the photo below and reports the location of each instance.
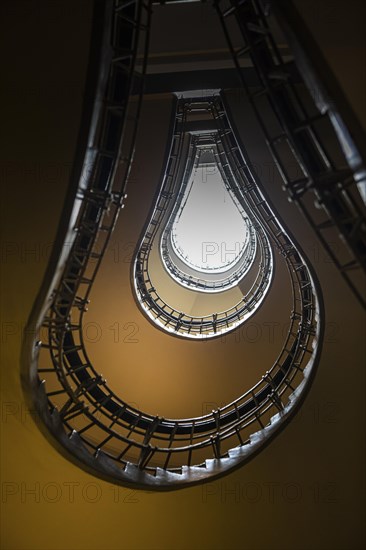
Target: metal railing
(130, 446)
(182, 270)
(91, 424)
(306, 121)
(163, 314)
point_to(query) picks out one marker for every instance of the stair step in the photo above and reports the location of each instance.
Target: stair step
(76, 445)
(238, 452)
(166, 475)
(107, 463)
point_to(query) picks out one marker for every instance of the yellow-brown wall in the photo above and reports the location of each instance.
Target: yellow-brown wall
(305, 491)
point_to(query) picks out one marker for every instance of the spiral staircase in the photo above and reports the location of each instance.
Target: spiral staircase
(81, 415)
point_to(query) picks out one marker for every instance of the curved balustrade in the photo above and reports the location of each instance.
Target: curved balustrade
(194, 279)
(305, 126)
(208, 148)
(186, 273)
(168, 202)
(129, 446)
(87, 421)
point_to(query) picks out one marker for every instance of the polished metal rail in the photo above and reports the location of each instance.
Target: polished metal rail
(184, 272)
(307, 122)
(88, 422)
(161, 313)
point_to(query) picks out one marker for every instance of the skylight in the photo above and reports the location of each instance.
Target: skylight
(209, 232)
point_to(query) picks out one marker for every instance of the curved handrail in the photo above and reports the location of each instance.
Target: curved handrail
(160, 312)
(137, 448)
(336, 188)
(187, 274)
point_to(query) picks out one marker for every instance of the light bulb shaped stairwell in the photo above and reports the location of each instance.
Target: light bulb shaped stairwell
(81, 414)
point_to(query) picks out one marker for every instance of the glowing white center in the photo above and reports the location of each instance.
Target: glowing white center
(209, 231)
